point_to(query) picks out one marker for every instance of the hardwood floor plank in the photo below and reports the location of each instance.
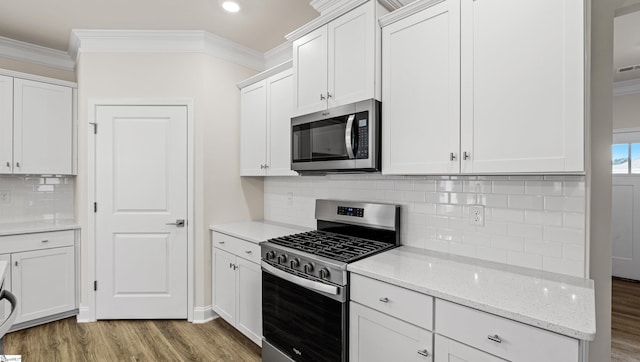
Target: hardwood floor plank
(132, 340)
(625, 321)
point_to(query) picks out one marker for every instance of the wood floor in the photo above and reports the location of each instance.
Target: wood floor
(625, 321)
(131, 340)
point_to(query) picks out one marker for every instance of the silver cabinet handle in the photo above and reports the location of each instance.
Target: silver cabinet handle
(17, 164)
(262, 167)
(329, 95)
(452, 156)
(384, 300)
(322, 97)
(466, 155)
(179, 223)
(235, 267)
(45, 241)
(266, 166)
(221, 242)
(495, 338)
(423, 352)
(16, 263)
(8, 164)
(247, 251)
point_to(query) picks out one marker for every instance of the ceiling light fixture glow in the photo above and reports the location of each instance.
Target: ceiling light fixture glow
(231, 6)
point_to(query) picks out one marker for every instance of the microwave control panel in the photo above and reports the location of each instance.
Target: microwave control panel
(362, 131)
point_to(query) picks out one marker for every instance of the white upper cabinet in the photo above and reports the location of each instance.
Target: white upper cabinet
(522, 85)
(41, 125)
(336, 64)
(484, 86)
(279, 110)
(253, 129)
(6, 124)
(265, 119)
(421, 93)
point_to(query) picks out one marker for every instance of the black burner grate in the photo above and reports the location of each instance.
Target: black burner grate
(333, 246)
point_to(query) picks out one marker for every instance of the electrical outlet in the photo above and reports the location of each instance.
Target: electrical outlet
(476, 215)
(5, 197)
(290, 198)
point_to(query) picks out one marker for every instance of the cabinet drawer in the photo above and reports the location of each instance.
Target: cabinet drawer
(35, 241)
(514, 341)
(405, 304)
(238, 247)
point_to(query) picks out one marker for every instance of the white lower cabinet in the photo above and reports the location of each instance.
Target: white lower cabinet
(451, 351)
(237, 284)
(375, 336)
(392, 323)
(41, 274)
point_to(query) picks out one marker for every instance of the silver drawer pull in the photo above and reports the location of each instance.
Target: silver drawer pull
(45, 241)
(423, 352)
(248, 251)
(221, 242)
(384, 300)
(495, 338)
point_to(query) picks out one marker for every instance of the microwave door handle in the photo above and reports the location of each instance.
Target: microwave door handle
(348, 132)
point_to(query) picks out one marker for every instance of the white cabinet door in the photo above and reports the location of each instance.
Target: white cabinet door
(249, 299)
(6, 124)
(421, 92)
(43, 282)
(351, 56)
(253, 123)
(43, 128)
(224, 285)
(451, 351)
(522, 85)
(374, 336)
(279, 111)
(310, 72)
(5, 308)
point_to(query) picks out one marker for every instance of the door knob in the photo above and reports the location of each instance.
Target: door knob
(179, 223)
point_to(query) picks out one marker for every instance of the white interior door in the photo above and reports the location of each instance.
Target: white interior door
(141, 188)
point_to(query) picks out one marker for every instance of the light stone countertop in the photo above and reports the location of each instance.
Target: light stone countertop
(562, 304)
(257, 231)
(37, 226)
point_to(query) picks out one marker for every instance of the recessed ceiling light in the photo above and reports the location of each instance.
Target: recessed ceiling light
(231, 6)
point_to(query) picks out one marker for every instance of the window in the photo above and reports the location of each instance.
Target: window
(625, 158)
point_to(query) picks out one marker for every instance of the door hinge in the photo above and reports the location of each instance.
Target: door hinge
(95, 285)
(95, 207)
(95, 127)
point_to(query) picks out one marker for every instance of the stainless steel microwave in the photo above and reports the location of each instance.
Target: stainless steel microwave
(339, 139)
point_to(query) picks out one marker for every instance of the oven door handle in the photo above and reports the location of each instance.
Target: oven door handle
(307, 283)
(6, 325)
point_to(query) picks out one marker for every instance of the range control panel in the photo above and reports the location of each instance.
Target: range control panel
(350, 211)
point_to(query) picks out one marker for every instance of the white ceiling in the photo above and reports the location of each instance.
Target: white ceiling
(261, 24)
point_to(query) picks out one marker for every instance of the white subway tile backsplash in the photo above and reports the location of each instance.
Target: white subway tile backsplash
(529, 202)
(508, 187)
(531, 221)
(34, 198)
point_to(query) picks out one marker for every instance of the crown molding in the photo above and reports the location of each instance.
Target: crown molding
(36, 54)
(626, 87)
(279, 54)
(407, 10)
(336, 9)
(321, 5)
(266, 74)
(163, 41)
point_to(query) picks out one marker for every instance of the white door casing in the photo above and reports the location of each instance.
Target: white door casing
(141, 186)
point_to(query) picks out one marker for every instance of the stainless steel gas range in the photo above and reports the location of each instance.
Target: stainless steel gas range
(305, 285)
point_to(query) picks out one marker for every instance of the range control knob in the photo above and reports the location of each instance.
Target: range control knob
(295, 263)
(308, 268)
(282, 258)
(324, 273)
(270, 255)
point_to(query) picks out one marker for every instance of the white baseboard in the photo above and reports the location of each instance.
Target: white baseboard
(203, 314)
(85, 316)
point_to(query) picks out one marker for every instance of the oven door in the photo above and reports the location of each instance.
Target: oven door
(302, 324)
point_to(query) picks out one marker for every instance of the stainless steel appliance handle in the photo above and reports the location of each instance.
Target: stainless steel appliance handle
(347, 135)
(6, 325)
(310, 284)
